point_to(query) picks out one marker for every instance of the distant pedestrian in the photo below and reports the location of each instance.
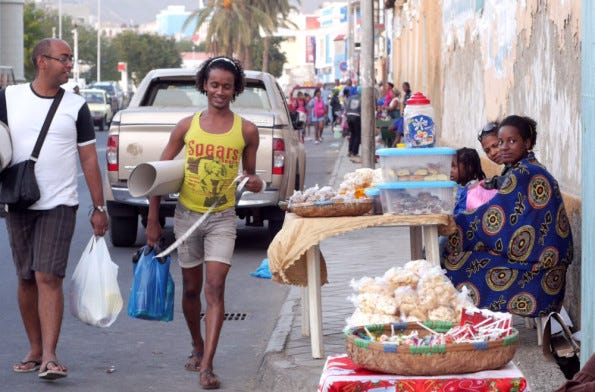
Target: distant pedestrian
(336, 108)
(353, 110)
(318, 110)
(406, 93)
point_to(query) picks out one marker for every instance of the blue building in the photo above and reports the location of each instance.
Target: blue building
(171, 21)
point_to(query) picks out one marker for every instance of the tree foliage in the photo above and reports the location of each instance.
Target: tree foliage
(142, 52)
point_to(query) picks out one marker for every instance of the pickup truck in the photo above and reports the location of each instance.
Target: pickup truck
(140, 132)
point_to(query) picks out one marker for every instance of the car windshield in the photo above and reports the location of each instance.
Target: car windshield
(93, 97)
(105, 87)
(185, 95)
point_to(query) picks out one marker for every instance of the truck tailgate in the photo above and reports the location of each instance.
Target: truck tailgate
(141, 125)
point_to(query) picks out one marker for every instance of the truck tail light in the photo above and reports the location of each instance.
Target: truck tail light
(278, 156)
(111, 153)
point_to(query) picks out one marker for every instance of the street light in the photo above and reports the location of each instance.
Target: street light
(75, 38)
(99, 40)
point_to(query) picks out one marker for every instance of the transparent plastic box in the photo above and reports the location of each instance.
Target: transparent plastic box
(415, 164)
(417, 197)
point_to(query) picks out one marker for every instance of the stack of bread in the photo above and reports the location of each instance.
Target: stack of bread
(418, 291)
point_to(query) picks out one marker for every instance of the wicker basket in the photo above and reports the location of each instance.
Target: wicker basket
(427, 361)
(325, 209)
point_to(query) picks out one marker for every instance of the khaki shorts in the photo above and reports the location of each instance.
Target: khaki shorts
(40, 240)
(213, 240)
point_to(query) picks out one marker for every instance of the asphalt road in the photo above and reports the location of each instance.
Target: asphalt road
(135, 354)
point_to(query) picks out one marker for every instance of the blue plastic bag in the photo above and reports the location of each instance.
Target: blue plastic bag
(263, 270)
(152, 292)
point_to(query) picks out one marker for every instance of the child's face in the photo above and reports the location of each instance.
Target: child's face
(489, 144)
(454, 169)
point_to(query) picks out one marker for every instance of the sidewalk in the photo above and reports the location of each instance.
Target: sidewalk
(288, 364)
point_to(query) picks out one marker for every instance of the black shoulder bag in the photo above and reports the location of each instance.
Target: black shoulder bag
(18, 186)
(561, 347)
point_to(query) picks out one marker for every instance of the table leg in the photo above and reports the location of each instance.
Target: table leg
(314, 301)
(416, 242)
(432, 245)
(305, 311)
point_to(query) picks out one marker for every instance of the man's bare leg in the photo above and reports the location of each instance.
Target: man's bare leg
(27, 299)
(191, 306)
(51, 309)
(215, 295)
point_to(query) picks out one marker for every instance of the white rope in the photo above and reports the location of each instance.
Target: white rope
(183, 237)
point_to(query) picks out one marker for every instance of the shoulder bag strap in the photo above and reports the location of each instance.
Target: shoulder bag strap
(3, 114)
(46, 124)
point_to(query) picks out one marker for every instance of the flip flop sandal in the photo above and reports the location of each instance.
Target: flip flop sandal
(193, 363)
(52, 374)
(24, 366)
(208, 373)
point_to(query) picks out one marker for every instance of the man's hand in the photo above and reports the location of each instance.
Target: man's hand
(99, 222)
(255, 184)
(153, 232)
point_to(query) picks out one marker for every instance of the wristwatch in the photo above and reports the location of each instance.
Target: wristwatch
(100, 208)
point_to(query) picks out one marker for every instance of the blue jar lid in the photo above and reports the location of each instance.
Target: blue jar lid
(400, 152)
(416, 185)
(370, 192)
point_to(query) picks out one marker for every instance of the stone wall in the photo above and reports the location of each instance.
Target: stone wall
(480, 61)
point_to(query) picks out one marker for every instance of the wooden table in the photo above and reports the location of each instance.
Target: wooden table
(423, 230)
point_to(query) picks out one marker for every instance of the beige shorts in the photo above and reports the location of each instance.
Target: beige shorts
(213, 240)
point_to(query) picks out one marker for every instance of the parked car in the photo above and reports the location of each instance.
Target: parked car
(100, 107)
(140, 132)
(113, 91)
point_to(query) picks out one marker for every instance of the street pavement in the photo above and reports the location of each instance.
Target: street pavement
(288, 364)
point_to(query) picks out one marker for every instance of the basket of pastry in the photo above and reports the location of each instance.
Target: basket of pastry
(325, 202)
(413, 321)
(433, 348)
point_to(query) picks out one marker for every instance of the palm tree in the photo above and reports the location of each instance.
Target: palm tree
(232, 25)
(279, 11)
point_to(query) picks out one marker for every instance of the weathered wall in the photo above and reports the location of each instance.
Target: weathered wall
(494, 58)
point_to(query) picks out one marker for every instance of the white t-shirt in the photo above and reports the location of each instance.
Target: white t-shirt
(72, 126)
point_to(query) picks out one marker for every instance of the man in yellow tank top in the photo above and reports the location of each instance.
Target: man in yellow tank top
(216, 139)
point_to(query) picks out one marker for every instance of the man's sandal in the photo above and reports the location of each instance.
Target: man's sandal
(26, 366)
(59, 371)
(193, 363)
(209, 380)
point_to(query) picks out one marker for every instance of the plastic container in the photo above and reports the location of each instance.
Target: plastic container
(419, 127)
(374, 194)
(415, 164)
(417, 198)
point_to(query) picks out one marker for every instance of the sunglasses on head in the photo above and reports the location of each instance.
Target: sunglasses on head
(490, 127)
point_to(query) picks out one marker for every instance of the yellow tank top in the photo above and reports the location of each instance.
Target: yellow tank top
(212, 162)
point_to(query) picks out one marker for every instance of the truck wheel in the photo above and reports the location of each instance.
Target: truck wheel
(123, 230)
(102, 124)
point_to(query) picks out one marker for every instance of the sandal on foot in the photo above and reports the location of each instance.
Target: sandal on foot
(58, 371)
(209, 380)
(193, 363)
(26, 366)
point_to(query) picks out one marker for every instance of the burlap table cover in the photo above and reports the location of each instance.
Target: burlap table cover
(287, 251)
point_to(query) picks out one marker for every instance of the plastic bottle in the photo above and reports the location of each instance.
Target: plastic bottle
(419, 122)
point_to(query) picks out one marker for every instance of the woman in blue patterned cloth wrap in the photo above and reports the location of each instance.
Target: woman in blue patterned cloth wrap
(512, 252)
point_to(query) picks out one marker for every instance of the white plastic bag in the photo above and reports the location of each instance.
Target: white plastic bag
(95, 296)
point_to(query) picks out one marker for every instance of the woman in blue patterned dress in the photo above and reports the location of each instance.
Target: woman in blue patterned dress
(512, 252)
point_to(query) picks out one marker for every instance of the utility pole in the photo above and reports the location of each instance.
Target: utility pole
(60, 19)
(350, 37)
(99, 40)
(367, 83)
(75, 38)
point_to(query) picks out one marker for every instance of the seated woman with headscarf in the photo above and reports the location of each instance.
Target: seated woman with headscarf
(512, 252)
